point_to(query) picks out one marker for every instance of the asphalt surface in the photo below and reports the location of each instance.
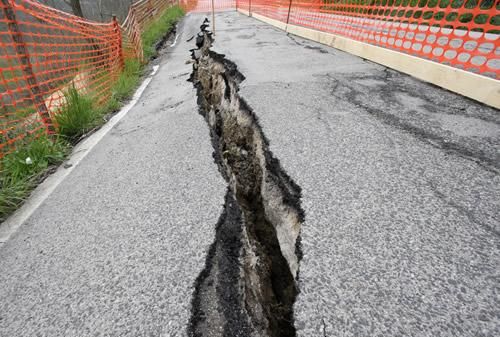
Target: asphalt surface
(400, 185)
(116, 249)
(400, 188)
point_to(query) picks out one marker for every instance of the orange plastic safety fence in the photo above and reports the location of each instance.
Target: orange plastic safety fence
(140, 14)
(206, 5)
(460, 33)
(44, 52)
(277, 10)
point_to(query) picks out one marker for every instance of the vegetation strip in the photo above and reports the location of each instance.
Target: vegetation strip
(22, 170)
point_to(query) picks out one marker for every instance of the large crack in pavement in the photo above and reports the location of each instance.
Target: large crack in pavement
(248, 286)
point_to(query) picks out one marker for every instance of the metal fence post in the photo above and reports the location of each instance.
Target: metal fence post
(120, 42)
(27, 69)
(289, 9)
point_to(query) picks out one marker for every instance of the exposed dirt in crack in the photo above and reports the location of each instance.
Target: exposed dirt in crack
(248, 286)
(217, 308)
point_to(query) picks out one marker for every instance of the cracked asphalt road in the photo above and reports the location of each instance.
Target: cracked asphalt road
(115, 250)
(400, 184)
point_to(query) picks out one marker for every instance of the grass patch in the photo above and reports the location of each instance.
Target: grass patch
(78, 116)
(21, 170)
(157, 29)
(128, 80)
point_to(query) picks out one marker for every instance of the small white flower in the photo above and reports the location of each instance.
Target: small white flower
(29, 161)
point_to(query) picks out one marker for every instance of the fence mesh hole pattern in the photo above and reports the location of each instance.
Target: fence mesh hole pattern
(44, 51)
(459, 33)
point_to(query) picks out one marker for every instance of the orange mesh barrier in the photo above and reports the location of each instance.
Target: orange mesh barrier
(44, 52)
(460, 33)
(206, 5)
(277, 10)
(243, 4)
(140, 14)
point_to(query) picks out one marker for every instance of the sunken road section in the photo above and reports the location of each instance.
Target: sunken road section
(248, 286)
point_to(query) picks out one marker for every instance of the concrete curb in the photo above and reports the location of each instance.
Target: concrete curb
(480, 88)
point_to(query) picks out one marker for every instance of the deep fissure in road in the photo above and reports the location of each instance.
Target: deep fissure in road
(248, 286)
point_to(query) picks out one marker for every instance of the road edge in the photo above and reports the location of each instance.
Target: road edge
(45, 189)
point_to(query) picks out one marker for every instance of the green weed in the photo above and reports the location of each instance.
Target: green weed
(21, 169)
(128, 80)
(78, 115)
(157, 29)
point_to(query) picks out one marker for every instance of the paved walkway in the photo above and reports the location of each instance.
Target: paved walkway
(115, 250)
(400, 188)
(400, 184)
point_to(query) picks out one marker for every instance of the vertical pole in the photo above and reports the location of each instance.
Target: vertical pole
(24, 57)
(289, 9)
(213, 17)
(120, 42)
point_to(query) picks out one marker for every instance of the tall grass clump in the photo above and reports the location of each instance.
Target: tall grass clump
(78, 116)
